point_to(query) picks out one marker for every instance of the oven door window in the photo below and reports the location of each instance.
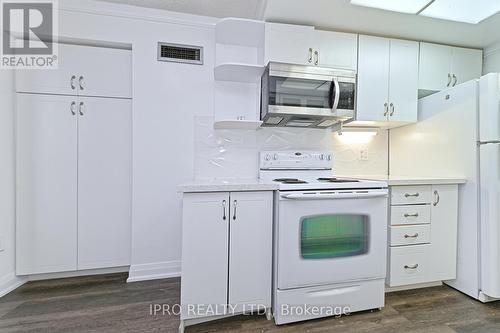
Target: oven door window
(287, 91)
(334, 236)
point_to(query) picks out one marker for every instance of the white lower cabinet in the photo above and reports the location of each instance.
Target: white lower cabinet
(73, 183)
(423, 234)
(226, 252)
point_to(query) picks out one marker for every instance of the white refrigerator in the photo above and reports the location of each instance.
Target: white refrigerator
(458, 135)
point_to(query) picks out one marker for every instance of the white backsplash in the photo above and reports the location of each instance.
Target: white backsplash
(234, 153)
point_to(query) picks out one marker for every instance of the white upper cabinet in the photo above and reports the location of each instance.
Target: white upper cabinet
(387, 81)
(84, 71)
(373, 79)
(336, 49)
(304, 45)
(444, 66)
(289, 43)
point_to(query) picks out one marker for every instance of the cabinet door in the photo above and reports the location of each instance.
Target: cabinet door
(103, 71)
(62, 80)
(444, 217)
(467, 64)
(205, 232)
(46, 135)
(435, 66)
(250, 259)
(373, 78)
(337, 49)
(403, 81)
(104, 182)
(289, 43)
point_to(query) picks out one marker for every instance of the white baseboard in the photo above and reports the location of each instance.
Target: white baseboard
(154, 271)
(10, 282)
(86, 272)
(413, 286)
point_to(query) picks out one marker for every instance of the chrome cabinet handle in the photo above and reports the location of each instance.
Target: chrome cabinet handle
(392, 109)
(416, 195)
(310, 55)
(411, 215)
(437, 198)
(386, 108)
(72, 82)
(72, 108)
(80, 108)
(415, 235)
(81, 83)
(235, 204)
(224, 210)
(411, 267)
(449, 80)
(455, 79)
(316, 58)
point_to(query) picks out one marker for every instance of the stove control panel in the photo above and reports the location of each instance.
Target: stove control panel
(296, 160)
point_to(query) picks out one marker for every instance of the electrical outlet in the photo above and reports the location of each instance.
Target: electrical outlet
(363, 155)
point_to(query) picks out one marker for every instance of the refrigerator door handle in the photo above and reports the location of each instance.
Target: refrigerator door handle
(488, 142)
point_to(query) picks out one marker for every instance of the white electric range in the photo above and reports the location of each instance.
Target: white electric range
(330, 237)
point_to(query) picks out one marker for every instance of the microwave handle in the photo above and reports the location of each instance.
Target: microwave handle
(336, 98)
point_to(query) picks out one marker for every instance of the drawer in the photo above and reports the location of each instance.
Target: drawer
(411, 214)
(410, 195)
(410, 235)
(408, 265)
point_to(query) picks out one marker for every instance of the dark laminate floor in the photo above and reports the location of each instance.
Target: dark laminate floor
(108, 304)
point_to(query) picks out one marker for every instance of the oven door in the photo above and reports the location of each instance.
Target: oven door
(326, 237)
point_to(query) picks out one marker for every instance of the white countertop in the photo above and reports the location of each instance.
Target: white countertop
(227, 185)
(408, 180)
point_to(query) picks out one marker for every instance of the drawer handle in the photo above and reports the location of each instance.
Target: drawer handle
(411, 267)
(415, 235)
(416, 195)
(411, 215)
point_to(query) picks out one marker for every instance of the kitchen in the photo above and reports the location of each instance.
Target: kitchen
(127, 186)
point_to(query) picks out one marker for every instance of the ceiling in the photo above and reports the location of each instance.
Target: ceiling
(340, 15)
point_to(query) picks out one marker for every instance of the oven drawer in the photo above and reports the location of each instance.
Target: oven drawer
(408, 265)
(410, 214)
(410, 235)
(410, 195)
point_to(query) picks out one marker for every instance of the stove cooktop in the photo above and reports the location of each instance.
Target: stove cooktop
(290, 181)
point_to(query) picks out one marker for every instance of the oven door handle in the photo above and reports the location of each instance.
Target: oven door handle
(333, 195)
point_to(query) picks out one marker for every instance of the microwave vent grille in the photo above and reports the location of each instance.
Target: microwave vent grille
(180, 53)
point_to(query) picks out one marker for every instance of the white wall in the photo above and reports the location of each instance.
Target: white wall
(166, 98)
(491, 63)
(7, 183)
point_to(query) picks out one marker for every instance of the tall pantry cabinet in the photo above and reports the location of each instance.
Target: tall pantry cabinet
(74, 155)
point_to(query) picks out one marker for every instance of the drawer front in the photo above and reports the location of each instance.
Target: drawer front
(410, 195)
(408, 265)
(410, 235)
(411, 214)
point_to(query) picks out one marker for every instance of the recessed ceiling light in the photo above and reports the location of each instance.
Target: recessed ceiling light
(402, 6)
(468, 11)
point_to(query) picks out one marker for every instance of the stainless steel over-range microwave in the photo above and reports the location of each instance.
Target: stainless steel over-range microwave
(307, 96)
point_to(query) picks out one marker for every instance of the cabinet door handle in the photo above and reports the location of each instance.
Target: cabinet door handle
(310, 55)
(411, 267)
(235, 204)
(415, 235)
(411, 215)
(416, 195)
(80, 108)
(81, 82)
(72, 82)
(449, 80)
(392, 109)
(437, 198)
(386, 109)
(72, 108)
(224, 209)
(316, 58)
(455, 79)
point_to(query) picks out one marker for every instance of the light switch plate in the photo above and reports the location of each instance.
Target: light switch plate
(363, 155)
